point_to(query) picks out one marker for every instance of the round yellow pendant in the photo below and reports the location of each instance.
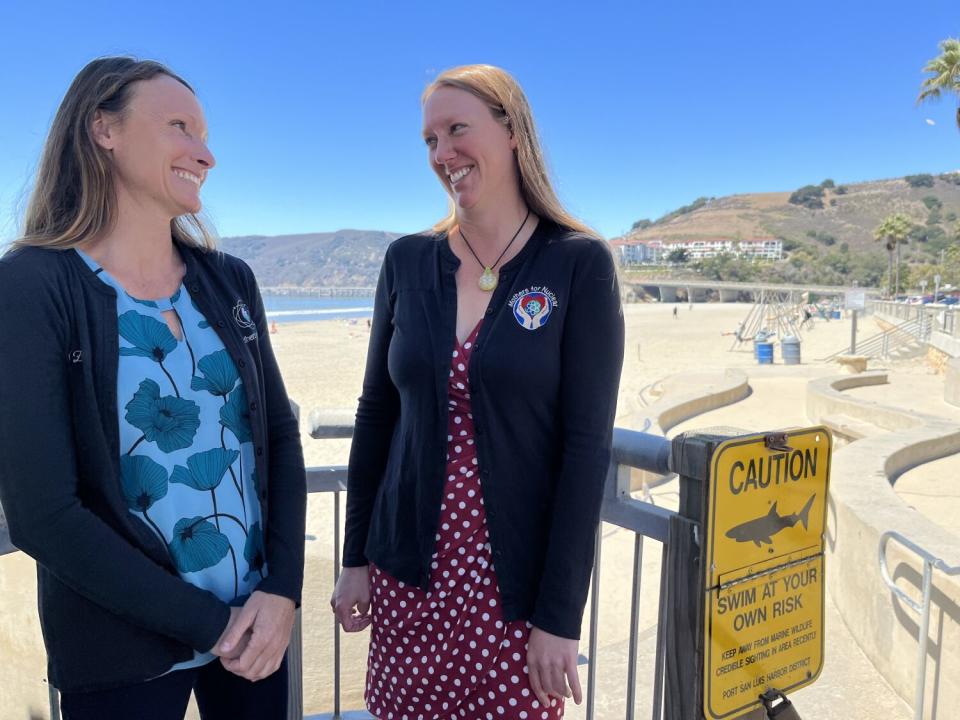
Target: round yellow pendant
(487, 281)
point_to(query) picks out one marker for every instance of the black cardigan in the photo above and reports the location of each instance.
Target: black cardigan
(113, 609)
(543, 403)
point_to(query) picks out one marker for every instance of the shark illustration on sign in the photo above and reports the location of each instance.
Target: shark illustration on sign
(761, 529)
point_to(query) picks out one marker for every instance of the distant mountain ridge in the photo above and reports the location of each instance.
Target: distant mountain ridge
(827, 234)
(345, 258)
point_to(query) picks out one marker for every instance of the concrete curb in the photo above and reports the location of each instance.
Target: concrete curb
(733, 386)
(730, 387)
(863, 505)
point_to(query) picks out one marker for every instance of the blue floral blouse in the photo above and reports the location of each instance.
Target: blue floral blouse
(187, 464)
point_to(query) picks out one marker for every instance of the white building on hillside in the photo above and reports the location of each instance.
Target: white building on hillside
(763, 248)
(700, 249)
(635, 253)
(655, 252)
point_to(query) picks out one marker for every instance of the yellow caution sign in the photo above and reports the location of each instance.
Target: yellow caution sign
(766, 515)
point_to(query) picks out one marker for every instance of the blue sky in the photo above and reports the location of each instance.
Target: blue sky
(314, 109)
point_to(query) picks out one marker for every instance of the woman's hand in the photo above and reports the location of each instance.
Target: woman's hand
(261, 633)
(552, 664)
(351, 598)
(239, 647)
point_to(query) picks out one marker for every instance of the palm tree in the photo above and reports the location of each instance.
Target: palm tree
(945, 71)
(893, 232)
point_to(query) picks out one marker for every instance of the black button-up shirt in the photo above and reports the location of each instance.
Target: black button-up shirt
(544, 374)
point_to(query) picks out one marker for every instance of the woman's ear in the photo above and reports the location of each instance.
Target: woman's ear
(104, 130)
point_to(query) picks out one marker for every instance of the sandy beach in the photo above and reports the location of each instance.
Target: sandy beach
(322, 364)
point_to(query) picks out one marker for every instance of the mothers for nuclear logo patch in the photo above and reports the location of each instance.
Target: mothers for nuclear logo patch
(532, 307)
(241, 314)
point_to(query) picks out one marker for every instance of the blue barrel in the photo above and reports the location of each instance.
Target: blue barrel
(765, 353)
(835, 314)
(790, 350)
(761, 336)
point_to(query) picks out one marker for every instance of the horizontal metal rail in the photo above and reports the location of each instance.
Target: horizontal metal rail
(886, 341)
(930, 563)
(631, 450)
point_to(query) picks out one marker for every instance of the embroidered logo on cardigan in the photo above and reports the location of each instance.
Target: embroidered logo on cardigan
(242, 315)
(532, 307)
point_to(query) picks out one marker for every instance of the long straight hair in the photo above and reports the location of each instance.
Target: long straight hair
(74, 197)
(502, 94)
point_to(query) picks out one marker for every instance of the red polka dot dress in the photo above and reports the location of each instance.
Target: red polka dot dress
(447, 653)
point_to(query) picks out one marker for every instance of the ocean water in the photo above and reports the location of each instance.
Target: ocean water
(304, 308)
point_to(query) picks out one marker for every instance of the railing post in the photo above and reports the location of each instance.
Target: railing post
(336, 622)
(54, 696)
(295, 669)
(683, 692)
(594, 619)
(930, 562)
(634, 619)
(295, 648)
(661, 636)
(922, 645)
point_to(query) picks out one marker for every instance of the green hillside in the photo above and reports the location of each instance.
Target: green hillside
(827, 229)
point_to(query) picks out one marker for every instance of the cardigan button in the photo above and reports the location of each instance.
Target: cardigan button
(241, 363)
(489, 311)
(253, 407)
(221, 324)
(194, 288)
(259, 451)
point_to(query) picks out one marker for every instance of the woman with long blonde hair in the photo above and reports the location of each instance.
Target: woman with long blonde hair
(150, 460)
(484, 428)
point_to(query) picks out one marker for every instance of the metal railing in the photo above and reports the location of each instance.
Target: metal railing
(631, 450)
(642, 451)
(884, 343)
(930, 563)
(937, 316)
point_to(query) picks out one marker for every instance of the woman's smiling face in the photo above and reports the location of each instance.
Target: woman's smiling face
(158, 147)
(470, 150)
